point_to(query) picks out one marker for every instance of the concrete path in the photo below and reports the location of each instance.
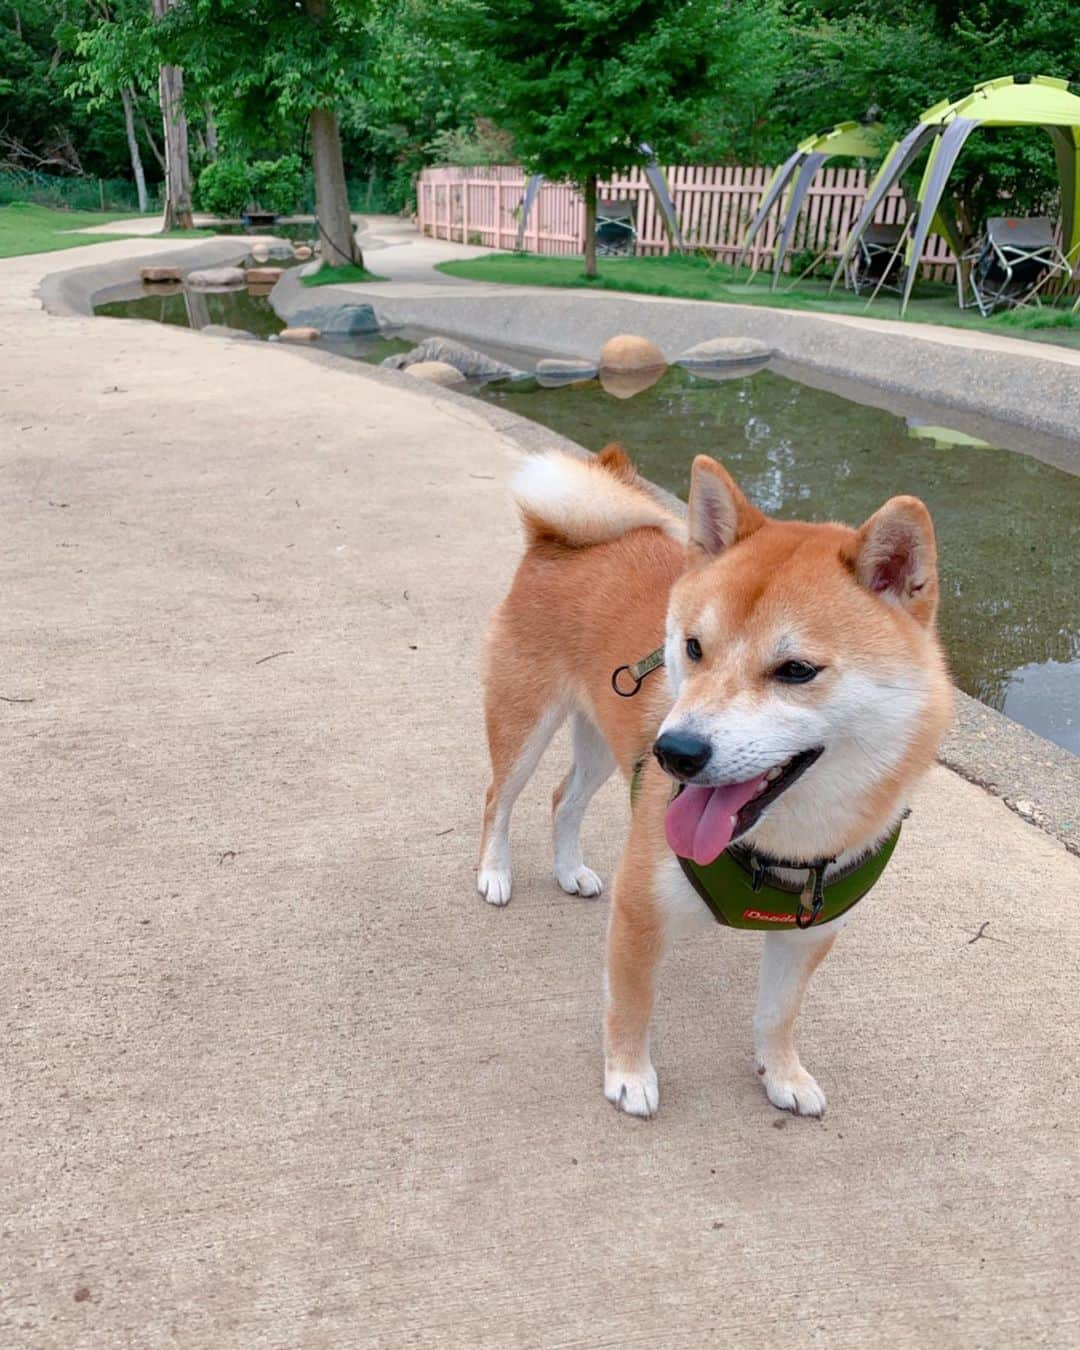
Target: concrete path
(270, 1072)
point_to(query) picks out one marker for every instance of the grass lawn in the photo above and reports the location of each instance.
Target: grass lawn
(41, 229)
(339, 276)
(692, 278)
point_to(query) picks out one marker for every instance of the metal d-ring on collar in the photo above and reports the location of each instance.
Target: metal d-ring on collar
(637, 672)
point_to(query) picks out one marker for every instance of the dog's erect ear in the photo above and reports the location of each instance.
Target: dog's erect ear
(896, 557)
(718, 513)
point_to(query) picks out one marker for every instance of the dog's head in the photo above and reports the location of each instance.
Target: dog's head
(809, 686)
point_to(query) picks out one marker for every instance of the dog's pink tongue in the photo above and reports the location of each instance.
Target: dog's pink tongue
(700, 821)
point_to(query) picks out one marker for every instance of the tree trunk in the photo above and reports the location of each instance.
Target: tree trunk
(335, 227)
(133, 148)
(211, 133)
(590, 225)
(333, 220)
(177, 166)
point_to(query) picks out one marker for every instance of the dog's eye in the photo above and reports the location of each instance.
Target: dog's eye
(795, 672)
(693, 649)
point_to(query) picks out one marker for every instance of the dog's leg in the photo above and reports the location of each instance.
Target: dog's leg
(593, 765)
(787, 962)
(635, 946)
(517, 738)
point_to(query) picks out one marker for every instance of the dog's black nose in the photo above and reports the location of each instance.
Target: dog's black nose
(682, 754)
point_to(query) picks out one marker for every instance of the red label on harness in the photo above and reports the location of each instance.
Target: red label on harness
(760, 916)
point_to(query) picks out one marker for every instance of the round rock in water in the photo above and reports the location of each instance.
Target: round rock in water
(299, 335)
(724, 352)
(260, 252)
(217, 276)
(553, 371)
(627, 351)
(627, 383)
(435, 372)
(302, 252)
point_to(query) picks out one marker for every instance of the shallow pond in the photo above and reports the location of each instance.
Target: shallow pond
(1008, 525)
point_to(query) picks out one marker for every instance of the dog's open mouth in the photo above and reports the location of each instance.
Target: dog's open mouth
(702, 821)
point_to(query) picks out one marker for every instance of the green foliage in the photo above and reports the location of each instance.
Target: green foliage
(482, 143)
(224, 187)
(229, 185)
(277, 184)
(582, 83)
(45, 126)
(70, 194)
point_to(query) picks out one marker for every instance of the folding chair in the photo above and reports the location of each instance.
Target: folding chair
(878, 263)
(616, 232)
(1013, 257)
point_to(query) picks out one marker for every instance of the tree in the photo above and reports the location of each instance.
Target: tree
(116, 62)
(266, 65)
(178, 213)
(582, 84)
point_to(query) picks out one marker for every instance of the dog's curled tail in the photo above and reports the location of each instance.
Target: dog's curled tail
(577, 502)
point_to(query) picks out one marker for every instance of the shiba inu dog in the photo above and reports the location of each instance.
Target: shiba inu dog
(803, 691)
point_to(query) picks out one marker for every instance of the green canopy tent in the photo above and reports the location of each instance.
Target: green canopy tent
(1012, 101)
(855, 140)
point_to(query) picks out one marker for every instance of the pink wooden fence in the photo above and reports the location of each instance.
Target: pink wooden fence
(715, 204)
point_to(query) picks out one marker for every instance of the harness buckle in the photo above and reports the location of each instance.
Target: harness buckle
(757, 873)
(812, 899)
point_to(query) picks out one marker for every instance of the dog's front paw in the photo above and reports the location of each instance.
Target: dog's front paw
(638, 1093)
(791, 1088)
(493, 883)
(579, 880)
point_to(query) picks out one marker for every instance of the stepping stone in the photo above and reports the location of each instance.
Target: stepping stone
(262, 276)
(299, 335)
(216, 276)
(435, 372)
(156, 275)
(724, 351)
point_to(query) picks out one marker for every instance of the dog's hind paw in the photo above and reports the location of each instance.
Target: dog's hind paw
(638, 1094)
(494, 885)
(579, 881)
(793, 1090)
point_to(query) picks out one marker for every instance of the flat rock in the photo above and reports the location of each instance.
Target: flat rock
(299, 335)
(627, 351)
(223, 330)
(436, 372)
(723, 351)
(262, 276)
(553, 371)
(158, 274)
(217, 276)
(473, 365)
(337, 320)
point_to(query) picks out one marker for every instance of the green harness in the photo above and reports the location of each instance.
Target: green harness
(743, 889)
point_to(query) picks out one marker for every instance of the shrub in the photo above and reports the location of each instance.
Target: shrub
(224, 187)
(277, 184)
